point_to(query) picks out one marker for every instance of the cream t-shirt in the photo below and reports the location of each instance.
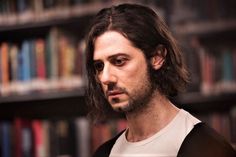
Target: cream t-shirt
(165, 143)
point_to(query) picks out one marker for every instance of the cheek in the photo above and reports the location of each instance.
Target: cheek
(133, 75)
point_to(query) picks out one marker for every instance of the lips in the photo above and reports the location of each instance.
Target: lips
(114, 93)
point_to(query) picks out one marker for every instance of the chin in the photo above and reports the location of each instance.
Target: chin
(120, 107)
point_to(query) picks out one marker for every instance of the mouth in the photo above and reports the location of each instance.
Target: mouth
(114, 93)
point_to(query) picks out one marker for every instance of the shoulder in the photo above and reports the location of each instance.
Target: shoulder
(204, 141)
(105, 149)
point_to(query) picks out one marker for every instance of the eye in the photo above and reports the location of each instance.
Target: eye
(119, 61)
(98, 66)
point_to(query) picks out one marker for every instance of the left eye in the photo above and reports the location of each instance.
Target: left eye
(119, 61)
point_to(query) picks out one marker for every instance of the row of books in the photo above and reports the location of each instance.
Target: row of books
(19, 6)
(54, 138)
(27, 11)
(212, 71)
(202, 10)
(41, 64)
(42, 138)
(77, 137)
(223, 122)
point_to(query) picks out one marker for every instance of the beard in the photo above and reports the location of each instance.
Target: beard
(139, 97)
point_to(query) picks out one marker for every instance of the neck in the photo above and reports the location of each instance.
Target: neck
(143, 124)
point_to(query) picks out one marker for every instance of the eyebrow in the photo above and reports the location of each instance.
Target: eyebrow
(114, 56)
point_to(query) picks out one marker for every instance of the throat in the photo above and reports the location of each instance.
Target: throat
(134, 137)
(144, 125)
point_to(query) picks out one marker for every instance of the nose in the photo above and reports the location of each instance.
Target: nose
(107, 76)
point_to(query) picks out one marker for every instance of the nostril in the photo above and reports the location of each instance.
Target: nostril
(111, 86)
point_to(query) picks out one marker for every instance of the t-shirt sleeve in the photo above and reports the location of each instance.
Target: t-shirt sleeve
(204, 141)
(105, 149)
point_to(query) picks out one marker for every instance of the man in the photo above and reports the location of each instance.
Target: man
(133, 67)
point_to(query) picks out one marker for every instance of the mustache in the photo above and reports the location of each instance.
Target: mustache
(113, 89)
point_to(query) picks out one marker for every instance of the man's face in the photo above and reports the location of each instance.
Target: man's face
(121, 69)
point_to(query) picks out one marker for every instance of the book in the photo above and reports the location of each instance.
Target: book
(40, 81)
(17, 127)
(25, 50)
(20, 66)
(40, 58)
(63, 138)
(52, 53)
(227, 75)
(79, 68)
(32, 59)
(39, 149)
(46, 137)
(62, 50)
(83, 137)
(228, 71)
(53, 140)
(5, 80)
(27, 138)
(6, 139)
(14, 62)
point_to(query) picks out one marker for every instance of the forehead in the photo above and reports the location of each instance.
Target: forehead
(112, 43)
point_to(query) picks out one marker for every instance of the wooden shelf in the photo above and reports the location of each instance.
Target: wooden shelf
(204, 27)
(51, 108)
(48, 17)
(42, 95)
(197, 102)
(30, 19)
(61, 103)
(43, 105)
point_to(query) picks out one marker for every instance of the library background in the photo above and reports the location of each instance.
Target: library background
(42, 104)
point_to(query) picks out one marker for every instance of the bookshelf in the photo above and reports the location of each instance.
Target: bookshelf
(205, 27)
(58, 100)
(42, 98)
(196, 102)
(206, 31)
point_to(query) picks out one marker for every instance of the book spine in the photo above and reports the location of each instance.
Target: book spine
(38, 140)
(40, 58)
(5, 68)
(18, 137)
(14, 62)
(26, 61)
(6, 138)
(53, 53)
(83, 137)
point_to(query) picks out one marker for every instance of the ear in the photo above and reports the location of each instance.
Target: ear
(158, 59)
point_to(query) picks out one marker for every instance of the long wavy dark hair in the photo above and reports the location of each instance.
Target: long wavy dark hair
(146, 31)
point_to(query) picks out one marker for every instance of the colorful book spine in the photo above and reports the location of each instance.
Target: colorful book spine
(39, 150)
(41, 64)
(40, 58)
(20, 66)
(227, 75)
(6, 139)
(83, 137)
(53, 53)
(17, 137)
(32, 59)
(14, 62)
(27, 139)
(5, 67)
(26, 61)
